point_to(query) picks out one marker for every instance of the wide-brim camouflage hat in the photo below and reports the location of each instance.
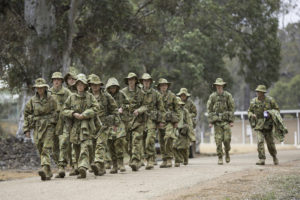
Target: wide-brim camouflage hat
(183, 91)
(219, 81)
(131, 75)
(72, 74)
(261, 88)
(94, 79)
(180, 101)
(81, 78)
(163, 81)
(146, 76)
(57, 75)
(112, 82)
(40, 83)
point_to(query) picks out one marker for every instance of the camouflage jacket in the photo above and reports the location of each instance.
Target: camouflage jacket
(155, 107)
(86, 105)
(184, 125)
(60, 96)
(39, 114)
(122, 102)
(220, 108)
(171, 107)
(136, 102)
(190, 106)
(257, 107)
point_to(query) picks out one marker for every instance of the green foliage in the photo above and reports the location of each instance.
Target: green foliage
(287, 93)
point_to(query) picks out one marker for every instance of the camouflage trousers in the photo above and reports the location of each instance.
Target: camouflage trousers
(149, 136)
(65, 153)
(181, 155)
(116, 148)
(55, 149)
(166, 137)
(136, 140)
(44, 144)
(265, 135)
(82, 154)
(101, 146)
(92, 149)
(222, 136)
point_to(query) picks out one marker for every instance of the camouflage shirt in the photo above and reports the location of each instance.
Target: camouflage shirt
(220, 108)
(171, 107)
(190, 106)
(40, 113)
(185, 123)
(122, 102)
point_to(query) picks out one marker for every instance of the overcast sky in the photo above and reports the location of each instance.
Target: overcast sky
(293, 15)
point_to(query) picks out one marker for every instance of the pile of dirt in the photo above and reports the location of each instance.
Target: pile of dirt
(17, 153)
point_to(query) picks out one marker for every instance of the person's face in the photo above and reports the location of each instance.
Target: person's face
(183, 97)
(260, 94)
(57, 82)
(70, 81)
(95, 87)
(41, 91)
(132, 82)
(219, 88)
(80, 86)
(163, 87)
(113, 89)
(147, 83)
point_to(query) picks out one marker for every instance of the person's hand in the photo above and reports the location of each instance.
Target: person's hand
(254, 116)
(27, 134)
(136, 112)
(114, 128)
(78, 116)
(231, 124)
(210, 125)
(120, 110)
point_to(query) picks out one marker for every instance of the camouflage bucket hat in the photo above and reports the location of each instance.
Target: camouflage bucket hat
(81, 78)
(261, 88)
(57, 75)
(183, 91)
(163, 81)
(146, 76)
(94, 79)
(40, 82)
(131, 75)
(72, 74)
(180, 101)
(112, 82)
(219, 81)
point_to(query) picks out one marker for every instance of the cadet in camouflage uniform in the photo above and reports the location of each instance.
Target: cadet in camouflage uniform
(220, 108)
(262, 123)
(113, 88)
(61, 143)
(41, 115)
(167, 132)
(155, 109)
(182, 142)
(70, 79)
(136, 116)
(110, 119)
(80, 108)
(190, 106)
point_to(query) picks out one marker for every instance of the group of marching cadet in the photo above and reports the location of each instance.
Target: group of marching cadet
(91, 125)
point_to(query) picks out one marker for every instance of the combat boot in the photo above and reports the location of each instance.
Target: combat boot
(260, 162)
(114, 169)
(98, 169)
(74, 171)
(275, 160)
(227, 157)
(186, 161)
(82, 173)
(169, 163)
(163, 164)
(177, 165)
(121, 165)
(107, 165)
(142, 164)
(134, 165)
(220, 161)
(61, 172)
(48, 172)
(149, 164)
(42, 173)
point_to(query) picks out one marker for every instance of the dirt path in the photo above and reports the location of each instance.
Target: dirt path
(155, 184)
